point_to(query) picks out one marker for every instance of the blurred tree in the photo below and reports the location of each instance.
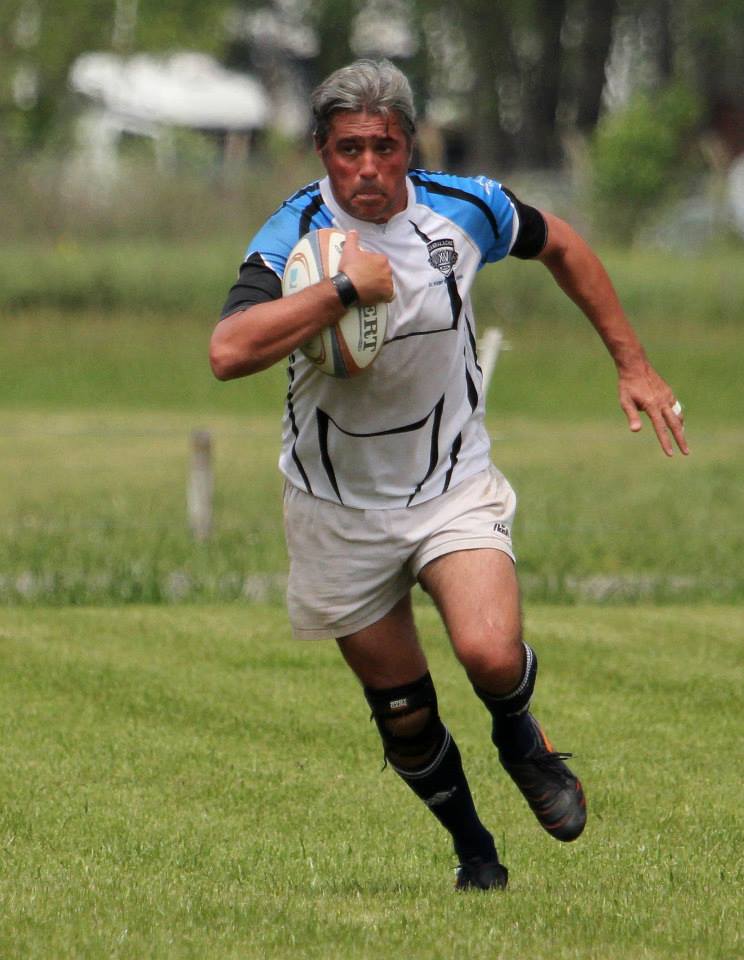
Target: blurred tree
(709, 48)
(40, 39)
(597, 20)
(542, 76)
(530, 62)
(333, 20)
(516, 74)
(641, 159)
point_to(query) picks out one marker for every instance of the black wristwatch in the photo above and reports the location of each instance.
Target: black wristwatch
(347, 292)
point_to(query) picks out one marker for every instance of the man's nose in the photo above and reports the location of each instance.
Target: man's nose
(368, 166)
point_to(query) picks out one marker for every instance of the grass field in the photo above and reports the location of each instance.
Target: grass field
(178, 783)
(97, 409)
(93, 509)
(176, 780)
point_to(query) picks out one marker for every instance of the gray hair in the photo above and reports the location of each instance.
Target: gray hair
(374, 86)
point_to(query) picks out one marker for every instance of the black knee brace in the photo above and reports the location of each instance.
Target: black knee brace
(408, 720)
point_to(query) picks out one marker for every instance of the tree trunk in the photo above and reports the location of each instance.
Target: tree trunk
(593, 55)
(540, 143)
(490, 146)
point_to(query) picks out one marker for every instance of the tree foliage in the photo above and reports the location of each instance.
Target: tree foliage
(640, 158)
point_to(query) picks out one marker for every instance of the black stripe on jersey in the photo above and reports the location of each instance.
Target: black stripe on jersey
(324, 420)
(472, 390)
(454, 293)
(454, 453)
(455, 299)
(311, 188)
(418, 333)
(308, 213)
(420, 233)
(293, 424)
(473, 343)
(434, 451)
(471, 387)
(461, 195)
(308, 188)
(455, 303)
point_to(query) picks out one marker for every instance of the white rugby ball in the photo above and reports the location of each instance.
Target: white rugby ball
(349, 346)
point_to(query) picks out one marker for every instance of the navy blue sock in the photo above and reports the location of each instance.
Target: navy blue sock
(514, 732)
(422, 752)
(443, 787)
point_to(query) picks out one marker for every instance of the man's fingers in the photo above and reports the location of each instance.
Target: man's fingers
(666, 422)
(675, 420)
(631, 412)
(662, 433)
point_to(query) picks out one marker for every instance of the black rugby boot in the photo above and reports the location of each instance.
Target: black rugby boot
(554, 794)
(478, 874)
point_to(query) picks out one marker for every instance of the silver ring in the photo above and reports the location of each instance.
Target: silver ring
(677, 408)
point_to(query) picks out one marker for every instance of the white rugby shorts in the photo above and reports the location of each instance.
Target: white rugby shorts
(349, 567)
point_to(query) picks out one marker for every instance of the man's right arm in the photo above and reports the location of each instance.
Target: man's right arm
(254, 338)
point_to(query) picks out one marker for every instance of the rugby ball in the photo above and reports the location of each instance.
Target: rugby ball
(349, 346)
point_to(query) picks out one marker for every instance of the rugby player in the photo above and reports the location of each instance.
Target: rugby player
(389, 480)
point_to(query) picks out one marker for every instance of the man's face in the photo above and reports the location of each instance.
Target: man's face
(367, 157)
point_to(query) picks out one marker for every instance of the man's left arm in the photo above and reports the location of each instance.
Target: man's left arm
(580, 274)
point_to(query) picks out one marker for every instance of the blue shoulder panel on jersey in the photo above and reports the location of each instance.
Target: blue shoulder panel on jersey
(302, 212)
(476, 204)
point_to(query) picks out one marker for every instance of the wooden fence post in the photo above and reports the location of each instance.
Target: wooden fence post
(490, 346)
(200, 486)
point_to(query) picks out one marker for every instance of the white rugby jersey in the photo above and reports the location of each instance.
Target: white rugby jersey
(410, 426)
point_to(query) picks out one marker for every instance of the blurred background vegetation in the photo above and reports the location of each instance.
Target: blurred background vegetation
(628, 113)
(121, 231)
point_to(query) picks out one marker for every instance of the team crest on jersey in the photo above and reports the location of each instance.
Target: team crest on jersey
(442, 255)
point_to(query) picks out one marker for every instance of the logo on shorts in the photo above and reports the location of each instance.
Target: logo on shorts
(502, 529)
(442, 255)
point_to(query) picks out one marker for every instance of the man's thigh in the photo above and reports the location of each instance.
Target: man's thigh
(387, 653)
(477, 595)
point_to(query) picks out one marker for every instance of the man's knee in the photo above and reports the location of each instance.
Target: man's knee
(407, 718)
(493, 659)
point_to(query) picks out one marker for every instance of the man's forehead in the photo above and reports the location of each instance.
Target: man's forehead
(347, 123)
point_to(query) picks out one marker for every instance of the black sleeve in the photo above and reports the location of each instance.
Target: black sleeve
(256, 283)
(533, 230)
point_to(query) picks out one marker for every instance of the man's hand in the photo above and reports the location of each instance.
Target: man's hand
(369, 272)
(580, 274)
(643, 389)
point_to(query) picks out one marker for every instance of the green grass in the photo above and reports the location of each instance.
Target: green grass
(177, 782)
(556, 369)
(96, 411)
(192, 273)
(93, 510)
